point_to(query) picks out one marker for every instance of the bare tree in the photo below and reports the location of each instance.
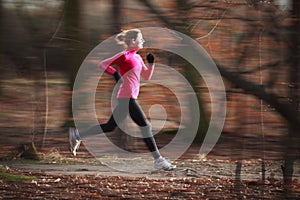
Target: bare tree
(116, 12)
(267, 25)
(183, 9)
(294, 132)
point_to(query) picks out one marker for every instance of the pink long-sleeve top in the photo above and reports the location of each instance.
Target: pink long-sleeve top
(131, 68)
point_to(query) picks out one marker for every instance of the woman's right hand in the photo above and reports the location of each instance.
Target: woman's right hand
(118, 78)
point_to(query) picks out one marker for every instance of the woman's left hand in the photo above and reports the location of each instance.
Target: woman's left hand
(150, 58)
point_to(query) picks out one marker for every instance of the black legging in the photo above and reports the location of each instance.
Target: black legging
(120, 112)
(125, 106)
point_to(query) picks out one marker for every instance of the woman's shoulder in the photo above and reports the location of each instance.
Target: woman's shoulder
(138, 56)
(121, 53)
(118, 55)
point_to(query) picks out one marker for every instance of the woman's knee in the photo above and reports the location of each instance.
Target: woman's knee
(107, 128)
(146, 131)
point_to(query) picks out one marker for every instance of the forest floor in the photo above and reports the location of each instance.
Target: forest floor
(59, 175)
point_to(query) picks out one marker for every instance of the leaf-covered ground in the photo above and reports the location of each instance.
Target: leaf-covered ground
(96, 181)
(45, 186)
(59, 175)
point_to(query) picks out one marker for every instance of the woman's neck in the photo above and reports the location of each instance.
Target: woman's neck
(132, 49)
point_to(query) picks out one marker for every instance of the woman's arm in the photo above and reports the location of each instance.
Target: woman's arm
(106, 65)
(147, 72)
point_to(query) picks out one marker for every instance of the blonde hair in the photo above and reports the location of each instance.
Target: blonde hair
(125, 37)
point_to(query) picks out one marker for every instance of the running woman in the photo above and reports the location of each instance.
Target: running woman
(131, 68)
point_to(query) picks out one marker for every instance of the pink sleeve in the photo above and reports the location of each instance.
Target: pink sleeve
(105, 65)
(147, 72)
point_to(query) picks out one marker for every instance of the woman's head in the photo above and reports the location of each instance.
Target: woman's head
(132, 38)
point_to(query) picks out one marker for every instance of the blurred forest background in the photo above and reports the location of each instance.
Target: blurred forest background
(254, 43)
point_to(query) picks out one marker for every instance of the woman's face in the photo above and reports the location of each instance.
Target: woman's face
(138, 42)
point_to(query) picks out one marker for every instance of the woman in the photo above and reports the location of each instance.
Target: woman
(131, 68)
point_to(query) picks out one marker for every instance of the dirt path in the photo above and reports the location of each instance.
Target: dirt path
(59, 175)
(250, 170)
(193, 179)
(223, 162)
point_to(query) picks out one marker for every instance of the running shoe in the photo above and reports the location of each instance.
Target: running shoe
(74, 140)
(162, 163)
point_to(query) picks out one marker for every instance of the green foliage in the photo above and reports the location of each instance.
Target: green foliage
(5, 175)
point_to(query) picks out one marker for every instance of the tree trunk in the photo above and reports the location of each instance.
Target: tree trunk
(291, 147)
(183, 8)
(116, 12)
(73, 53)
(1, 48)
(191, 73)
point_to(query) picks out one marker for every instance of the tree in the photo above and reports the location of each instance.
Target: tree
(183, 9)
(21, 46)
(294, 132)
(263, 20)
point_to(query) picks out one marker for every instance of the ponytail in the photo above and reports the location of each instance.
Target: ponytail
(125, 37)
(120, 38)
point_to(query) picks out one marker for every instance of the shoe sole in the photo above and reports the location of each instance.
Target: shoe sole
(165, 168)
(170, 169)
(76, 147)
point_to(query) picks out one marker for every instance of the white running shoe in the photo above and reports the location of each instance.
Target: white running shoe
(72, 138)
(162, 163)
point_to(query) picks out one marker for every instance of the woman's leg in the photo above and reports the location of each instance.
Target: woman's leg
(118, 115)
(139, 118)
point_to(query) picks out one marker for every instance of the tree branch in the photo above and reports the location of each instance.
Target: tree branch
(157, 13)
(284, 109)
